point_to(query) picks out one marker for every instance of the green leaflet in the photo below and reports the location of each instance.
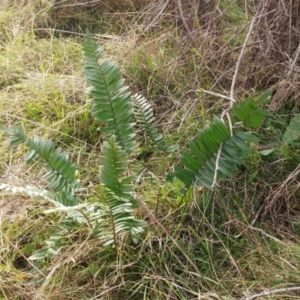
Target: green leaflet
(292, 132)
(62, 173)
(17, 135)
(118, 189)
(265, 97)
(111, 100)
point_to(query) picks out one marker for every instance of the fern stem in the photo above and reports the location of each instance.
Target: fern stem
(112, 224)
(217, 166)
(86, 217)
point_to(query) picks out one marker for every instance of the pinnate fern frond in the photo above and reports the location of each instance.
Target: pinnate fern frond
(213, 154)
(249, 112)
(143, 113)
(111, 99)
(16, 135)
(31, 191)
(61, 174)
(118, 189)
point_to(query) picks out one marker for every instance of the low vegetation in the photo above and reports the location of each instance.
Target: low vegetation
(183, 185)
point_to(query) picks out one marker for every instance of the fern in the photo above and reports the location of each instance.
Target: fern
(216, 152)
(213, 154)
(51, 246)
(143, 114)
(31, 191)
(111, 99)
(61, 174)
(249, 112)
(16, 135)
(118, 189)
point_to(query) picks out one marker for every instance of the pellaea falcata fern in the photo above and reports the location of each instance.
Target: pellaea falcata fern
(118, 190)
(143, 113)
(218, 149)
(62, 173)
(110, 101)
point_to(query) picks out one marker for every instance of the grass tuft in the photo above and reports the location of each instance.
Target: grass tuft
(228, 244)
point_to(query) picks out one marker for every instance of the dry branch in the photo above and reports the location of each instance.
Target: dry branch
(89, 3)
(272, 292)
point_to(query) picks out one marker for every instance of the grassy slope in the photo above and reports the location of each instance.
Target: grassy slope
(42, 86)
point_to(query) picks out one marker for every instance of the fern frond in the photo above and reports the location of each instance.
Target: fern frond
(118, 189)
(51, 247)
(249, 112)
(31, 191)
(143, 114)
(111, 100)
(17, 135)
(213, 150)
(62, 173)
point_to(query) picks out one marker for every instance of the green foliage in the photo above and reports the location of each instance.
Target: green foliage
(62, 173)
(249, 112)
(143, 113)
(63, 185)
(51, 247)
(17, 135)
(216, 151)
(213, 154)
(292, 132)
(111, 99)
(118, 189)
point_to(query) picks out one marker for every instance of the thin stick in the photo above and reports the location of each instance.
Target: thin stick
(231, 97)
(185, 23)
(237, 66)
(156, 17)
(139, 178)
(229, 123)
(256, 229)
(217, 166)
(217, 95)
(87, 4)
(294, 61)
(272, 292)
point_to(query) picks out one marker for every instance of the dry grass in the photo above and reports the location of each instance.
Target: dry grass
(167, 50)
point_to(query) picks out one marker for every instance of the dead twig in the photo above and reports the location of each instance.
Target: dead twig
(256, 229)
(153, 22)
(186, 26)
(272, 292)
(81, 4)
(294, 61)
(217, 95)
(237, 66)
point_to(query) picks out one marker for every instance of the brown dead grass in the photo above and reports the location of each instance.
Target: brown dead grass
(187, 49)
(275, 57)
